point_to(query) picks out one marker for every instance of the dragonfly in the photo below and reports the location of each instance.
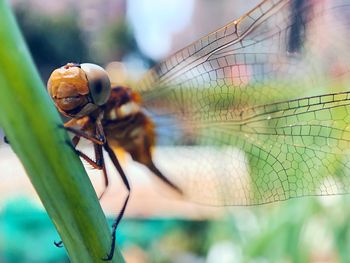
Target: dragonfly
(256, 112)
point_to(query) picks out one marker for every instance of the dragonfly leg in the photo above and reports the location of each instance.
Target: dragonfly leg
(100, 159)
(75, 140)
(97, 164)
(99, 135)
(81, 133)
(71, 122)
(117, 220)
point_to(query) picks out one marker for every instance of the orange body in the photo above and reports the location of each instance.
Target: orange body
(110, 118)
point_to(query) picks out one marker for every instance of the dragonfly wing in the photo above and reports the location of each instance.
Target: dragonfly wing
(231, 127)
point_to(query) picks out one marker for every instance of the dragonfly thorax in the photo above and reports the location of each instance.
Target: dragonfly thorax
(123, 103)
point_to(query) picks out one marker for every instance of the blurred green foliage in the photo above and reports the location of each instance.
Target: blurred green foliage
(117, 40)
(299, 230)
(52, 41)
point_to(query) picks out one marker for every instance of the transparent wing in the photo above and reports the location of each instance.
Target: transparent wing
(232, 129)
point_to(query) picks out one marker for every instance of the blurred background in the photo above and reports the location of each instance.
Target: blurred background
(128, 37)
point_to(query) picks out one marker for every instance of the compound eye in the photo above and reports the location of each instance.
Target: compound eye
(99, 83)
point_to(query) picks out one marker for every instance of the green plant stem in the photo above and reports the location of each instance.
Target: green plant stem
(31, 123)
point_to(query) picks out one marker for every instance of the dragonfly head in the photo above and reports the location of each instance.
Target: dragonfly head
(79, 89)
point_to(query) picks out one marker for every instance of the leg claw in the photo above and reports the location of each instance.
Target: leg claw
(107, 258)
(58, 244)
(6, 140)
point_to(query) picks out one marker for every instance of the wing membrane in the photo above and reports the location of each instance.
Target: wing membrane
(231, 125)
